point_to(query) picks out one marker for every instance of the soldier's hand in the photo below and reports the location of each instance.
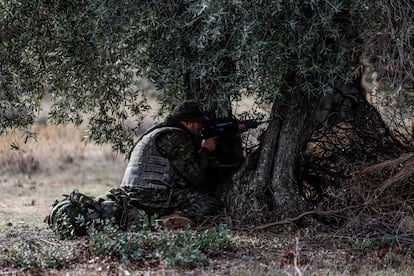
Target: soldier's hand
(209, 143)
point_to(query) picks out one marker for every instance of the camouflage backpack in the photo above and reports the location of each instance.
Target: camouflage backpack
(73, 215)
(76, 213)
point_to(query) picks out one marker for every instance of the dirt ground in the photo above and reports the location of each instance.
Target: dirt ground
(31, 181)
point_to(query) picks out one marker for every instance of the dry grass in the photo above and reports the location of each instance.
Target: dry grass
(54, 148)
(377, 202)
(37, 174)
(31, 179)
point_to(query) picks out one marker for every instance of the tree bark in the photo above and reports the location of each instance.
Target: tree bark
(266, 186)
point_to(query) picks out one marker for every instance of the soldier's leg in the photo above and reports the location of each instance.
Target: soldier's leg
(193, 204)
(197, 205)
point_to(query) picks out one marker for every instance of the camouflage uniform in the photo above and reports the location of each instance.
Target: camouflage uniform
(166, 173)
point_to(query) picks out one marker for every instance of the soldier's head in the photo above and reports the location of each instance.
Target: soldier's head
(190, 115)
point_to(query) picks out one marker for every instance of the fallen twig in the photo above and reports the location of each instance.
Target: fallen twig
(49, 242)
(312, 212)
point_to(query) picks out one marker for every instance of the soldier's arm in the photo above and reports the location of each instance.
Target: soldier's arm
(191, 163)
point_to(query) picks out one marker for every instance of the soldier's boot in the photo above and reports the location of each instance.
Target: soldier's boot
(176, 220)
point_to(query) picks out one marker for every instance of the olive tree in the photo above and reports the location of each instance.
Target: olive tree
(286, 53)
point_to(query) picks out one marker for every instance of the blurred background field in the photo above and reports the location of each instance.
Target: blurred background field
(36, 172)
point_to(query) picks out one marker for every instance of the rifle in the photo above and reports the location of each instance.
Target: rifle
(229, 127)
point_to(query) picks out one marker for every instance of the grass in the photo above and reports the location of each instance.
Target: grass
(34, 177)
(53, 147)
(180, 249)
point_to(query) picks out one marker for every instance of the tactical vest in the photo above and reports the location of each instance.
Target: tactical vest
(147, 168)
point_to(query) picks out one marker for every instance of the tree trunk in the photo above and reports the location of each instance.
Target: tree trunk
(269, 186)
(266, 186)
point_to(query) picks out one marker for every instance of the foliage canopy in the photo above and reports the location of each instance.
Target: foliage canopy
(89, 54)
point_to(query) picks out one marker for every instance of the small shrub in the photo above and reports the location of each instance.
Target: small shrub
(180, 249)
(214, 240)
(185, 256)
(31, 254)
(366, 245)
(114, 242)
(184, 248)
(392, 260)
(189, 249)
(410, 250)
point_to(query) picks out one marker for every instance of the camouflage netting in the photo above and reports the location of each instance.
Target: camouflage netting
(361, 179)
(377, 202)
(335, 154)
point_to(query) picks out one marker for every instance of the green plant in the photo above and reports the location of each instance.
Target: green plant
(215, 240)
(189, 249)
(180, 249)
(114, 242)
(366, 245)
(410, 250)
(31, 254)
(184, 248)
(392, 260)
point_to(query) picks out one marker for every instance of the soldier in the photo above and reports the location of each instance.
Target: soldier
(166, 176)
(167, 168)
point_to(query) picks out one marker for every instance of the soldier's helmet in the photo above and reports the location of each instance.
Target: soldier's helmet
(189, 111)
(68, 218)
(74, 215)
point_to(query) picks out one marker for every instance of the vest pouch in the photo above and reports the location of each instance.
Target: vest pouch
(158, 170)
(166, 179)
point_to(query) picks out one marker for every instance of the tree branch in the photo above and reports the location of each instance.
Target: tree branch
(312, 212)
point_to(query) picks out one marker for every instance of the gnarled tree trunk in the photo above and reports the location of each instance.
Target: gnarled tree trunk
(267, 184)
